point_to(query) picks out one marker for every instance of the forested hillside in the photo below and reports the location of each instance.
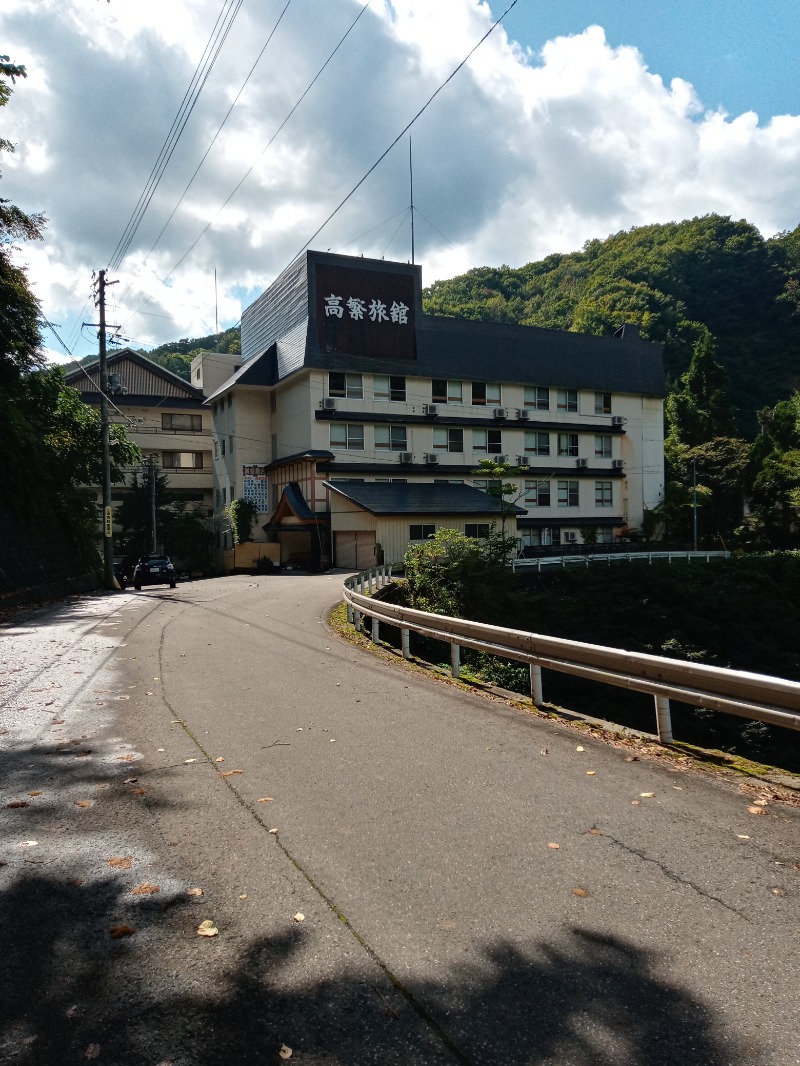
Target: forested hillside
(177, 356)
(678, 281)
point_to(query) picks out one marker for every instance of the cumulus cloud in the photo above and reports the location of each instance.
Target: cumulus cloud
(520, 155)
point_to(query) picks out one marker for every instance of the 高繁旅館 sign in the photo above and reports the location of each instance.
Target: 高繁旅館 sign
(365, 312)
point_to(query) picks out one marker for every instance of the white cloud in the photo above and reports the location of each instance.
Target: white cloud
(520, 155)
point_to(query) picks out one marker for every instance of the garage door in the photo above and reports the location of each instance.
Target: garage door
(355, 550)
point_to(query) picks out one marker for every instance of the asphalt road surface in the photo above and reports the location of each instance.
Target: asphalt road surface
(399, 872)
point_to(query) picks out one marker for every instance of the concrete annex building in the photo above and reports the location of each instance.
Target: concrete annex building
(356, 422)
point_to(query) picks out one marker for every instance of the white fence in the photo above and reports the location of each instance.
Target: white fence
(568, 561)
(755, 696)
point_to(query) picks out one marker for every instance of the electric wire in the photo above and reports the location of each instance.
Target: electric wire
(225, 19)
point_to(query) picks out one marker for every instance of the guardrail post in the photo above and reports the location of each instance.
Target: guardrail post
(376, 630)
(537, 697)
(663, 720)
(357, 619)
(405, 642)
(350, 613)
(455, 660)
(371, 578)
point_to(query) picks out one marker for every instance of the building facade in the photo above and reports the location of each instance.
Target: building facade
(345, 380)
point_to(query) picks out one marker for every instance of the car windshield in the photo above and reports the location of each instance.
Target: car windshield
(159, 561)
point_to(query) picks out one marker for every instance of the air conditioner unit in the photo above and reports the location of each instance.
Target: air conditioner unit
(523, 414)
(570, 536)
(581, 462)
(617, 464)
(523, 460)
(431, 458)
(406, 457)
(501, 412)
(328, 403)
(617, 420)
(500, 460)
(430, 409)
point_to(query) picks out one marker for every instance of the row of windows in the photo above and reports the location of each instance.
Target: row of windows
(186, 423)
(529, 538)
(481, 393)
(350, 437)
(566, 493)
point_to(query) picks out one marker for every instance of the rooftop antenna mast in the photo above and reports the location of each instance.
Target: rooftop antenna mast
(411, 180)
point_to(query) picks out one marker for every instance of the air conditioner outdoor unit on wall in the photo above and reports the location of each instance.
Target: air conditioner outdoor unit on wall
(430, 409)
(501, 412)
(523, 460)
(523, 414)
(406, 457)
(500, 460)
(431, 458)
(581, 462)
(328, 403)
(617, 420)
(617, 464)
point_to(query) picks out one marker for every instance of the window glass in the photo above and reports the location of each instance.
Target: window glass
(602, 403)
(485, 394)
(537, 397)
(479, 530)
(568, 444)
(567, 400)
(395, 438)
(421, 532)
(346, 436)
(448, 439)
(603, 494)
(537, 493)
(389, 387)
(567, 493)
(602, 446)
(192, 423)
(537, 443)
(349, 386)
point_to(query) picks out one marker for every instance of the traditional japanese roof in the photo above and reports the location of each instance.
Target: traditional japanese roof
(143, 379)
(418, 499)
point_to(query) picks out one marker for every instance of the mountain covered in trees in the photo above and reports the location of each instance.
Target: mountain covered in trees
(681, 282)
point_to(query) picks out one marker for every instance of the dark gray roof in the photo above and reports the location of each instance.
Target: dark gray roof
(438, 498)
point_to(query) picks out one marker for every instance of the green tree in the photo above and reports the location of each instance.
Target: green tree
(241, 515)
(506, 493)
(700, 410)
(775, 471)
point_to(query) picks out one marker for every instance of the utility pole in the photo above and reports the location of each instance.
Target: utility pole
(694, 504)
(150, 463)
(108, 544)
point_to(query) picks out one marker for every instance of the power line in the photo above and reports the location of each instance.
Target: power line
(219, 34)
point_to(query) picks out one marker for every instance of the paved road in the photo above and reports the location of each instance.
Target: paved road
(415, 832)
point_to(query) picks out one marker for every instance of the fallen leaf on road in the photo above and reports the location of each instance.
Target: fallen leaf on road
(92, 1051)
(632, 758)
(778, 892)
(264, 799)
(207, 928)
(220, 759)
(760, 803)
(32, 843)
(243, 895)
(743, 836)
(194, 892)
(83, 754)
(130, 780)
(581, 892)
(544, 751)
(332, 740)
(634, 803)
(756, 810)
(138, 791)
(190, 760)
(82, 803)
(125, 758)
(116, 932)
(145, 889)
(124, 862)
(679, 787)
(595, 831)
(647, 795)
(273, 830)
(58, 721)
(285, 1052)
(299, 917)
(18, 803)
(591, 773)
(579, 748)
(36, 792)
(230, 773)
(161, 749)
(555, 847)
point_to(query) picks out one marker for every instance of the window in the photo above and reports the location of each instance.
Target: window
(568, 494)
(537, 443)
(567, 400)
(448, 439)
(487, 440)
(386, 387)
(183, 460)
(537, 493)
(537, 397)
(568, 444)
(478, 530)
(197, 373)
(602, 403)
(605, 535)
(446, 391)
(536, 538)
(391, 481)
(484, 484)
(224, 496)
(448, 481)
(602, 446)
(395, 438)
(347, 437)
(603, 494)
(222, 445)
(349, 386)
(421, 532)
(189, 423)
(485, 394)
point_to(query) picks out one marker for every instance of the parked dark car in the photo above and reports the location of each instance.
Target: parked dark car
(154, 570)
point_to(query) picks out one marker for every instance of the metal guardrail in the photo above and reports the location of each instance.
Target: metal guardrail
(755, 696)
(566, 561)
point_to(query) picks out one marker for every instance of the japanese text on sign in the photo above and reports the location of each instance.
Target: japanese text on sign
(358, 309)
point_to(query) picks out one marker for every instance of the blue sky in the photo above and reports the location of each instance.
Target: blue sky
(574, 120)
(740, 55)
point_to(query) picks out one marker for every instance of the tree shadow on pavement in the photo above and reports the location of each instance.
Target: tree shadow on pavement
(70, 993)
